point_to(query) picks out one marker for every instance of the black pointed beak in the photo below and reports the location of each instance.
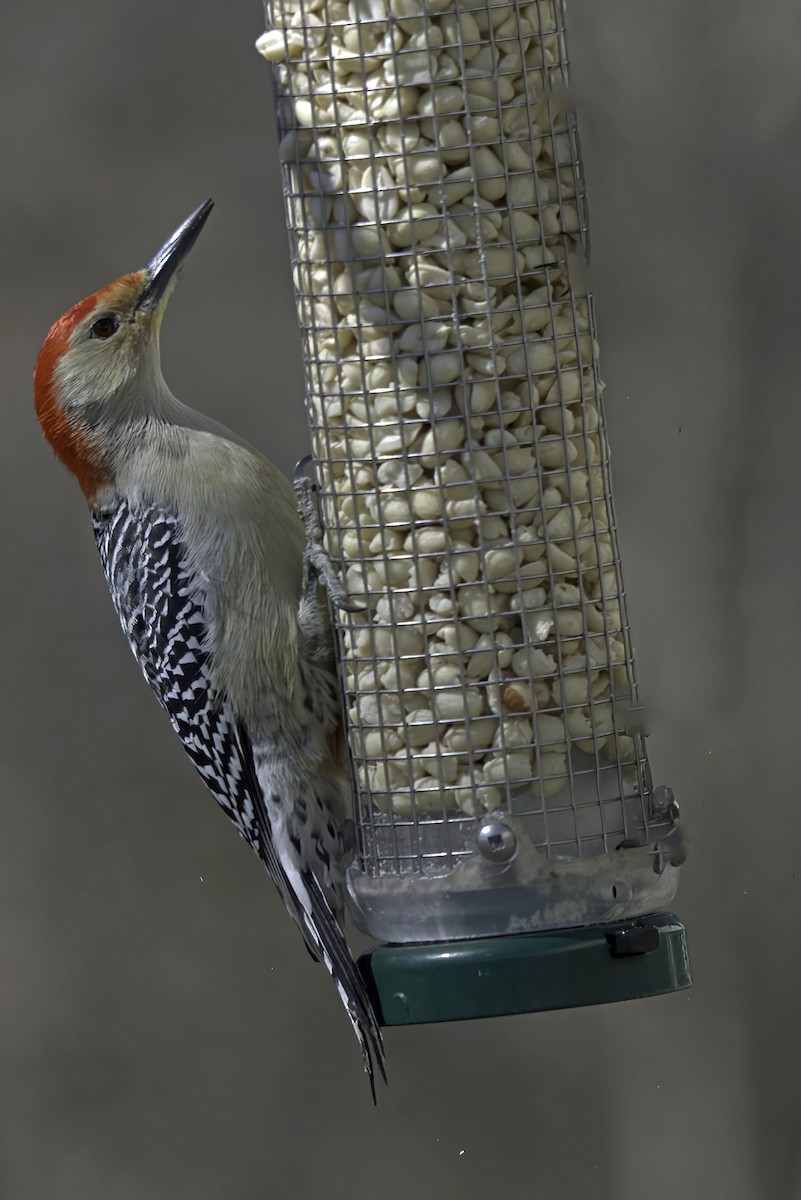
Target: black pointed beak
(166, 261)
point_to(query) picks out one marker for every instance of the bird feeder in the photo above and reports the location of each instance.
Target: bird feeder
(513, 851)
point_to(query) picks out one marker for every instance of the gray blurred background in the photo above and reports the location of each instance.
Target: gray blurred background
(163, 1033)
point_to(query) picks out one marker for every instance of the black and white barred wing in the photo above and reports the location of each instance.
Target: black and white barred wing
(160, 607)
(161, 612)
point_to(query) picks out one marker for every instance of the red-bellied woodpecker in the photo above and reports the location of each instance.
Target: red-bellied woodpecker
(217, 590)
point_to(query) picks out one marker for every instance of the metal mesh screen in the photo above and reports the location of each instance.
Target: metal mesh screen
(436, 208)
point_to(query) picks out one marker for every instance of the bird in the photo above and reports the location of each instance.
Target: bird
(216, 571)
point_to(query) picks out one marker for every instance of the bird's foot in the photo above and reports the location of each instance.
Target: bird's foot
(317, 568)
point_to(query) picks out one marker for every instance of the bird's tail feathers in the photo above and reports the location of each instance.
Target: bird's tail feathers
(322, 927)
(311, 910)
(308, 903)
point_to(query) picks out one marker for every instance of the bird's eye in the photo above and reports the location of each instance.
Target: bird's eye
(104, 327)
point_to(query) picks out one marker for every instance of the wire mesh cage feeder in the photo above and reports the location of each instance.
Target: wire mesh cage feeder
(513, 852)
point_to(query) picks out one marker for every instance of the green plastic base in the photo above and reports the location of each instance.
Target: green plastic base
(492, 977)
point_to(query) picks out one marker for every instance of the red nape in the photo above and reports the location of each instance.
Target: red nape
(70, 443)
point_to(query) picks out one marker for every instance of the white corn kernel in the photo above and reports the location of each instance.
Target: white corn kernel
(453, 704)
(515, 766)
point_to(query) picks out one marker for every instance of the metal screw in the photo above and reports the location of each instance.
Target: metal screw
(496, 842)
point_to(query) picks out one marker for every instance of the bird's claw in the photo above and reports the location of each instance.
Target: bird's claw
(317, 568)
